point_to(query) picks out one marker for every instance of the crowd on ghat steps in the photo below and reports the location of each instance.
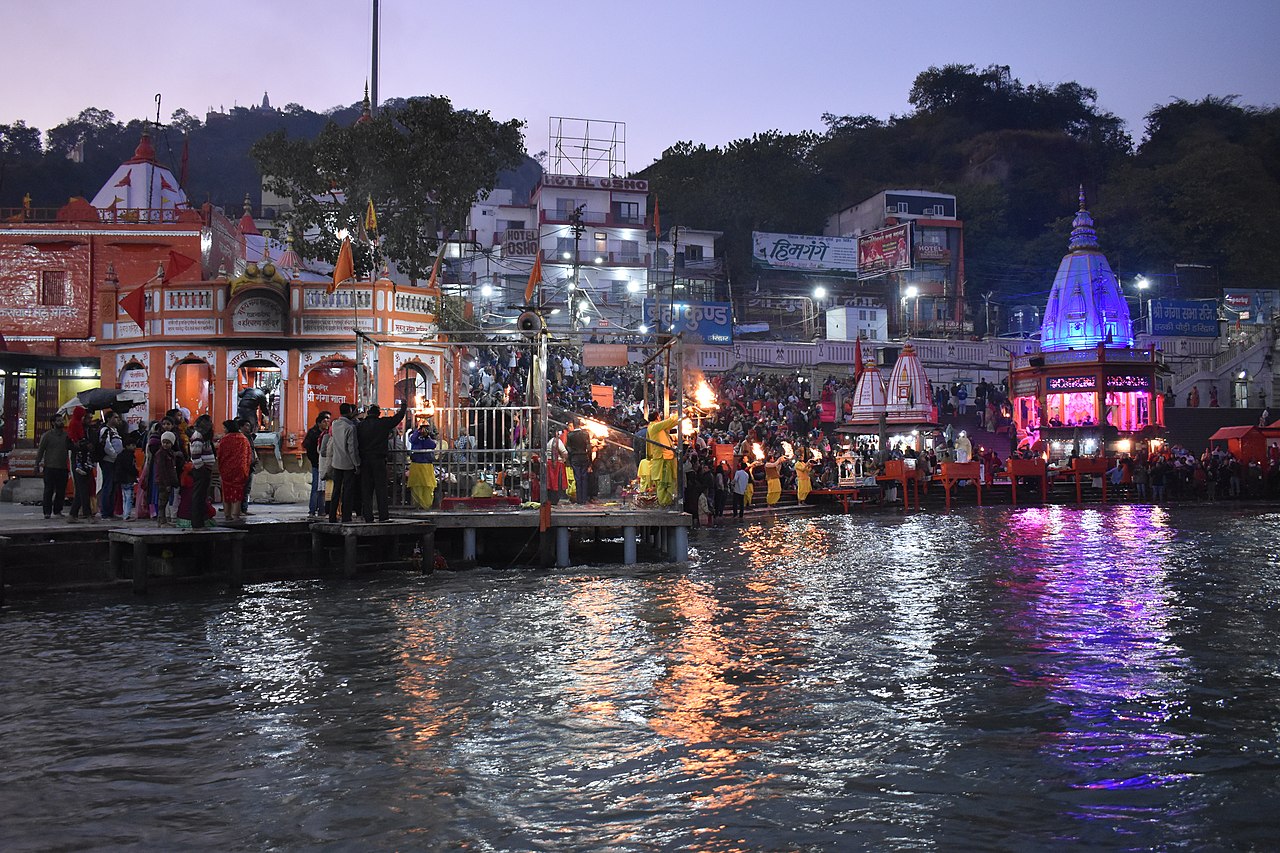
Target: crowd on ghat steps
(773, 425)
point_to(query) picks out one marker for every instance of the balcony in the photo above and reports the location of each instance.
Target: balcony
(593, 217)
(588, 258)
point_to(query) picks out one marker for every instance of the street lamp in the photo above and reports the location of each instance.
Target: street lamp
(912, 293)
(819, 294)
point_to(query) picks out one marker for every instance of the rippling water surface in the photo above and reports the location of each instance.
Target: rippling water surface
(1014, 679)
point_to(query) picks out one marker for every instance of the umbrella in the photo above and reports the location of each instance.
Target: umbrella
(95, 399)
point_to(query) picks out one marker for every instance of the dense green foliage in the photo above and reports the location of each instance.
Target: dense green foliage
(1200, 187)
(422, 164)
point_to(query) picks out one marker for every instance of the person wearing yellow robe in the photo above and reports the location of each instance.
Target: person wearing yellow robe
(662, 458)
(803, 483)
(422, 466)
(773, 477)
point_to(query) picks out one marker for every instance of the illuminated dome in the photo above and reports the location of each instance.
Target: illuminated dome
(1086, 307)
(868, 396)
(910, 394)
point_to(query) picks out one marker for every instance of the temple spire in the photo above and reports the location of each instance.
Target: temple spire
(1083, 235)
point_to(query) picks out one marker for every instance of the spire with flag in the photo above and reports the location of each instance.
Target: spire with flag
(371, 220)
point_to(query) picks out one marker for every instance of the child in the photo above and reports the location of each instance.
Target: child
(126, 476)
(165, 462)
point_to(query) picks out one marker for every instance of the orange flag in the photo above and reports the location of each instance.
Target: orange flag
(134, 304)
(433, 281)
(657, 224)
(345, 269)
(535, 276)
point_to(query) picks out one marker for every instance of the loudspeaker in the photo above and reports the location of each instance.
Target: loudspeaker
(530, 323)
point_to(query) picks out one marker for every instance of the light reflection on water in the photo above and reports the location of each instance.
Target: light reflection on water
(988, 678)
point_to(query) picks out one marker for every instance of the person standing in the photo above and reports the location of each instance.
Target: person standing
(234, 458)
(81, 467)
(344, 463)
(578, 445)
(202, 462)
(662, 457)
(311, 445)
(126, 475)
(372, 436)
(422, 466)
(741, 480)
(166, 461)
(557, 483)
(54, 452)
(111, 443)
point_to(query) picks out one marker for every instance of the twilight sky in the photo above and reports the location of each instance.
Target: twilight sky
(670, 69)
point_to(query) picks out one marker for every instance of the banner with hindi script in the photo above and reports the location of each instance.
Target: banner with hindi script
(1193, 318)
(804, 252)
(699, 322)
(884, 251)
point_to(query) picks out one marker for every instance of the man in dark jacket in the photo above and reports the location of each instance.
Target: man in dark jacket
(579, 446)
(54, 453)
(373, 434)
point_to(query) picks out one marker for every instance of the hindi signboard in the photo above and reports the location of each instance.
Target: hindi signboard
(1193, 318)
(804, 252)
(884, 251)
(699, 322)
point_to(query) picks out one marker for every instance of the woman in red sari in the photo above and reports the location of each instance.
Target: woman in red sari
(235, 456)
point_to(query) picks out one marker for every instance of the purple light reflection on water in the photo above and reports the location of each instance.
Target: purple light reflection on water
(1100, 613)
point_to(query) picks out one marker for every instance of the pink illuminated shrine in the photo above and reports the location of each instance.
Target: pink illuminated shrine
(1088, 390)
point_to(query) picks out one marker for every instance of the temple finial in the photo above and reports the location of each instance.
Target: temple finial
(1082, 196)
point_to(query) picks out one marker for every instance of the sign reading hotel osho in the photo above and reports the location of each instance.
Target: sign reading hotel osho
(804, 252)
(699, 322)
(519, 243)
(1193, 318)
(884, 251)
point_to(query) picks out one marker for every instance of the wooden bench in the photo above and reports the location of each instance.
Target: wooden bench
(142, 539)
(898, 472)
(1027, 468)
(955, 472)
(352, 532)
(1089, 468)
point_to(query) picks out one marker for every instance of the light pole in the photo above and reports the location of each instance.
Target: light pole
(911, 293)
(819, 294)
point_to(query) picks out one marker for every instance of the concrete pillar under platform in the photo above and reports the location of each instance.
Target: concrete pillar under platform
(469, 543)
(629, 546)
(679, 545)
(562, 547)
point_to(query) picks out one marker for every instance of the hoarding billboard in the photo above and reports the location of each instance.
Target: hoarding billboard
(1195, 318)
(804, 252)
(884, 251)
(700, 322)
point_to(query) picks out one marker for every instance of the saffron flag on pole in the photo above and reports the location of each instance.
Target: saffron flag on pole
(370, 218)
(657, 223)
(345, 269)
(178, 264)
(535, 276)
(433, 281)
(134, 304)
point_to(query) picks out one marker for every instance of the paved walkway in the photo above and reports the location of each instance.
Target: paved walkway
(18, 517)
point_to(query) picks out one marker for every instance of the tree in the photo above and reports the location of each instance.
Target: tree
(422, 164)
(18, 140)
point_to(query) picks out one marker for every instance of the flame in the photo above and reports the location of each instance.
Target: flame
(597, 429)
(704, 396)
(817, 454)
(788, 451)
(757, 450)
(687, 426)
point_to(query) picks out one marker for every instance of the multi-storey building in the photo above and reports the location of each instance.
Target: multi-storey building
(928, 296)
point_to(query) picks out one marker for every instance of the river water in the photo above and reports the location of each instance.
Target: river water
(1007, 679)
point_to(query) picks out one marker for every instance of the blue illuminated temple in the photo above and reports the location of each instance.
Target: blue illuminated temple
(1086, 307)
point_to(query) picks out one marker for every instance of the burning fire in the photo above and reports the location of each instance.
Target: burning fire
(596, 428)
(788, 451)
(688, 427)
(757, 451)
(704, 396)
(817, 454)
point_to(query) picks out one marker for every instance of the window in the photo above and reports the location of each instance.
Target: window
(53, 287)
(509, 224)
(564, 248)
(566, 206)
(692, 253)
(629, 251)
(627, 211)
